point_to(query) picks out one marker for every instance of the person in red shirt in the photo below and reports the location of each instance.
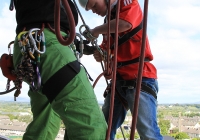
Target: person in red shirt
(130, 18)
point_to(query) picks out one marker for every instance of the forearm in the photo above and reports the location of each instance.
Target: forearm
(123, 26)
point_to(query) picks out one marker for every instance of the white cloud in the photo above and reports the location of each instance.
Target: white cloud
(7, 28)
(174, 43)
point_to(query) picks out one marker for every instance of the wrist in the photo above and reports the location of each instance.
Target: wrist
(95, 32)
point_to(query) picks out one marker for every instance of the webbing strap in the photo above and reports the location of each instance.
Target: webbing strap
(144, 87)
(136, 60)
(60, 79)
(148, 90)
(132, 83)
(128, 35)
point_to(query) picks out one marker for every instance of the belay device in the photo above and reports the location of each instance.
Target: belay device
(6, 64)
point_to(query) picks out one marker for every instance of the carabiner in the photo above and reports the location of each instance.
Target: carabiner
(78, 56)
(37, 82)
(20, 41)
(87, 34)
(29, 49)
(20, 34)
(33, 42)
(81, 45)
(36, 37)
(86, 27)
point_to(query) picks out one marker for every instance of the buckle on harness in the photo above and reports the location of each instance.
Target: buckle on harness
(131, 87)
(131, 84)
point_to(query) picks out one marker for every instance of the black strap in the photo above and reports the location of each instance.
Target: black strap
(11, 7)
(136, 60)
(128, 35)
(144, 87)
(148, 90)
(60, 79)
(132, 83)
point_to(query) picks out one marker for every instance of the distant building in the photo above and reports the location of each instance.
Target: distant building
(189, 125)
(16, 128)
(4, 117)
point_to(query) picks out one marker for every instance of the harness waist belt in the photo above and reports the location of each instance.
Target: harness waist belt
(136, 60)
(39, 25)
(60, 79)
(144, 87)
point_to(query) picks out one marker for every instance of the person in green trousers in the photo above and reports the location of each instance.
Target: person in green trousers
(65, 93)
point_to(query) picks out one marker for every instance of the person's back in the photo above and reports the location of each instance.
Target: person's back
(65, 92)
(34, 13)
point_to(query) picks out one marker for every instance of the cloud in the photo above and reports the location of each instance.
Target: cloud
(174, 41)
(7, 27)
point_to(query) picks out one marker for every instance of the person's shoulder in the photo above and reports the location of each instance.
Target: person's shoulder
(129, 2)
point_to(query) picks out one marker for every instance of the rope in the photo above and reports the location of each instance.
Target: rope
(25, 70)
(69, 40)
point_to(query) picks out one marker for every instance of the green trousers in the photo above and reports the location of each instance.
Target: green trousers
(76, 105)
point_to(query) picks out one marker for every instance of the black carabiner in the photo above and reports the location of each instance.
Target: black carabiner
(11, 7)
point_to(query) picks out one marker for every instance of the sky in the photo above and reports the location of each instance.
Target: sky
(174, 33)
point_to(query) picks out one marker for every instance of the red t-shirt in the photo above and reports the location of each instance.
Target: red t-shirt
(132, 13)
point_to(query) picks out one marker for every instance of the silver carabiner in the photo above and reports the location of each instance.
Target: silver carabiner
(86, 27)
(36, 37)
(33, 42)
(94, 43)
(81, 45)
(78, 56)
(87, 34)
(35, 86)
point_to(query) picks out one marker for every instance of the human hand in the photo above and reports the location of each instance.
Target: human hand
(94, 33)
(97, 56)
(88, 50)
(108, 77)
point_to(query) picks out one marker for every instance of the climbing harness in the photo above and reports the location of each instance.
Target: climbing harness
(128, 35)
(122, 39)
(49, 88)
